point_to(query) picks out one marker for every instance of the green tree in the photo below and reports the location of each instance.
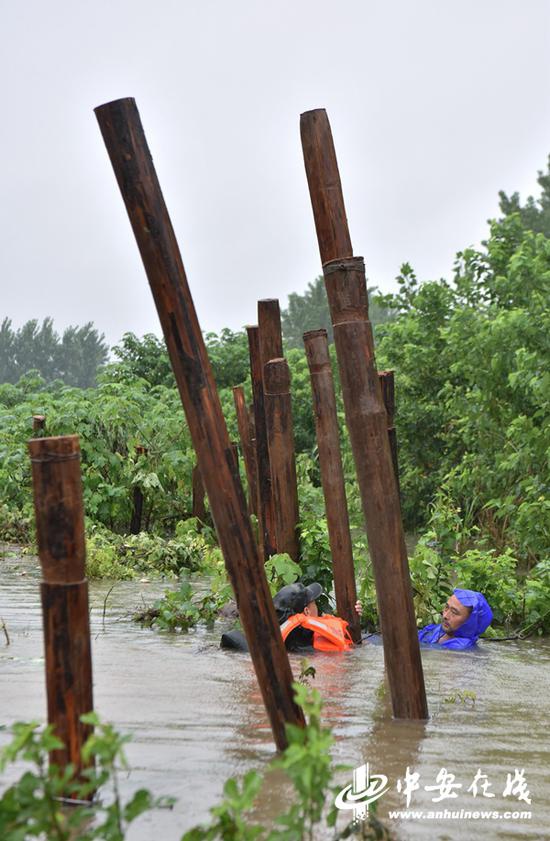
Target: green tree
(82, 353)
(228, 353)
(535, 213)
(145, 358)
(148, 359)
(74, 358)
(472, 390)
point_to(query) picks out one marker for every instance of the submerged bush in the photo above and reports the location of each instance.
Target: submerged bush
(131, 556)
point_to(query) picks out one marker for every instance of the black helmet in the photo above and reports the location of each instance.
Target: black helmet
(293, 598)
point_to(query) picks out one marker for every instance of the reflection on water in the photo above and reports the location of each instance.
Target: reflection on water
(197, 717)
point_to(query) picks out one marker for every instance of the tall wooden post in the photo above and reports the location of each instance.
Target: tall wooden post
(332, 477)
(125, 140)
(243, 423)
(366, 419)
(278, 415)
(387, 386)
(64, 591)
(137, 509)
(266, 513)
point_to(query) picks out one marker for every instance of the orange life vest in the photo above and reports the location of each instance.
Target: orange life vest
(330, 633)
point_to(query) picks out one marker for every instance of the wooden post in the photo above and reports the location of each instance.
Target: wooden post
(366, 419)
(266, 514)
(137, 510)
(387, 386)
(332, 477)
(324, 184)
(64, 591)
(38, 424)
(198, 505)
(271, 347)
(269, 323)
(278, 416)
(253, 452)
(243, 423)
(125, 140)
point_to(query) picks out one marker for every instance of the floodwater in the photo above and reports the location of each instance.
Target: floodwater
(196, 717)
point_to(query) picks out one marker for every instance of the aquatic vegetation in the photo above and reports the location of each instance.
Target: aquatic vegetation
(135, 555)
(36, 804)
(180, 610)
(462, 696)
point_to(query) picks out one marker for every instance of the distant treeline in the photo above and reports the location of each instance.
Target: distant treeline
(74, 357)
(77, 355)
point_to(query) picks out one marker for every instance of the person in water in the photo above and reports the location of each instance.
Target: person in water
(301, 624)
(463, 619)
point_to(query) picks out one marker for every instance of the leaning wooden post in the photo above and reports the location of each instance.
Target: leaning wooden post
(366, 419)
(125, 140)
(266, 513)
(64, 591)
(280, 437)
(137, 509)
(243, 424)
(332, 477)
(387, 386)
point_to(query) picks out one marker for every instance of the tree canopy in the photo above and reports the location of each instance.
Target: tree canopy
(535, 213)
(73, 357)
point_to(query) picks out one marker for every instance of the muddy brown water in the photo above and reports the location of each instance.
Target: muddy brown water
(196, 717)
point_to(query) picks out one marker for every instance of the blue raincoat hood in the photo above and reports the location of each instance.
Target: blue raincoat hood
(468, 634)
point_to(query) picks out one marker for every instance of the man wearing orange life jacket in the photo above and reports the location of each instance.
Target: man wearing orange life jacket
(301, 624)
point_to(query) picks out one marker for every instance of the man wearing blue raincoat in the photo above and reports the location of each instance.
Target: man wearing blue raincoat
(464, 618)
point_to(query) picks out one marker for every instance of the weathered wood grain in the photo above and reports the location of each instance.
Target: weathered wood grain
(278, 415)
(366, 419)
(332, 477)
(387, 385)
(58, 508)
(324, 183)
(367, 425)
(127, 147)
(266, 513)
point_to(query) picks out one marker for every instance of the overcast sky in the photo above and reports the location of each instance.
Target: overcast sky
(434, 106)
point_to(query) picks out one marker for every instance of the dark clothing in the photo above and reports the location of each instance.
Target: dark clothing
(298, 638)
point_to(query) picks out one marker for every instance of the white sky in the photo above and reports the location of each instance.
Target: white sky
(434, 105)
